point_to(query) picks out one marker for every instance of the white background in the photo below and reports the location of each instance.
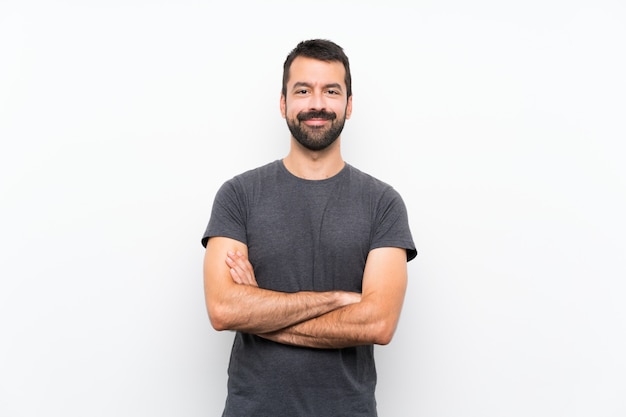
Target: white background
(501, 124)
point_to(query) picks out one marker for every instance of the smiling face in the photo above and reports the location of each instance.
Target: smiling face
(316, 104)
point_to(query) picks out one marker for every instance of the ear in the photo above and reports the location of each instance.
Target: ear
(283, 106)
(349, 108)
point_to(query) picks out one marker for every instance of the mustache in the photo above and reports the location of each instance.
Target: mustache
(316, 114)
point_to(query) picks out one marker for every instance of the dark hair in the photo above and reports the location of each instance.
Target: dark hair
(323, 50)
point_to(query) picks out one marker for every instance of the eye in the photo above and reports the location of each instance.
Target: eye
(333, 92)
(301, 92)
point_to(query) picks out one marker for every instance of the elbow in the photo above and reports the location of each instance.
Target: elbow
(383, 339)
(384, 332)
(218, 317)
(218, 325)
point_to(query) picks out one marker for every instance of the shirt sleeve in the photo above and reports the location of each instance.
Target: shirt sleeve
(228, 214)
(392, 224)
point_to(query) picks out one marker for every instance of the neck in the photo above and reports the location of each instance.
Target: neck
(314, 165)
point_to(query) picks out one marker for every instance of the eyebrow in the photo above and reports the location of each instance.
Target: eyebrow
(304, 84)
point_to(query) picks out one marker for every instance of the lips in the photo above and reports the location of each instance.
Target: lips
(315, 122)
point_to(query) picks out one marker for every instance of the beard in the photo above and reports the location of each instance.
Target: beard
(316, 138)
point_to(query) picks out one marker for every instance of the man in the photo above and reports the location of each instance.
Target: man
(306, 259)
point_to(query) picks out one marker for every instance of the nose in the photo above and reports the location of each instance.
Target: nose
(317, 101)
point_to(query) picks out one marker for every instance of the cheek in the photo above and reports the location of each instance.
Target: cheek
(340, 112)
(291, 111)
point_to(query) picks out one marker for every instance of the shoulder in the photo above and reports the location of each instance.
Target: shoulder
(382, 198)
(253, 176)
(248, 186)
(269, 169)
(369, 182)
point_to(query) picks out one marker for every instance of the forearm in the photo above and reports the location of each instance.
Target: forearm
(317, 319)
(256, 310)
(352, 325)
(235, 302)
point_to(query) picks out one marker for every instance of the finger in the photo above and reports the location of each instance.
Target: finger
(244, 268)
(236, 272)
(235, 276)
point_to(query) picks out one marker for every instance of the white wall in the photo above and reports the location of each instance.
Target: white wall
(501, 123)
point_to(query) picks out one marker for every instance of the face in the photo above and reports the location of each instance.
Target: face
(316, 105)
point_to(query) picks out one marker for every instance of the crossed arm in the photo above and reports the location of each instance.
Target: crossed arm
(333, 319)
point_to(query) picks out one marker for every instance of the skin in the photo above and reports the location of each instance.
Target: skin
(333, 319)
(315, 85)
(373, 320)
(235, 302)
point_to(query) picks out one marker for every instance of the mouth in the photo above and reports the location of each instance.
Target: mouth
(316, 118)
(315, 122)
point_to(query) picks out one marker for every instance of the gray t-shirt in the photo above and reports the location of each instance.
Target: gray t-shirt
(305, 235)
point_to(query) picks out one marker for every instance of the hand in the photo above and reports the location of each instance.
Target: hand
(241, 270)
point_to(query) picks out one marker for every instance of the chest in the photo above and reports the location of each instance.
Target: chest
(311, 235)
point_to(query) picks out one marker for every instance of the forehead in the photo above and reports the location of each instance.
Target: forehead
(314, 71)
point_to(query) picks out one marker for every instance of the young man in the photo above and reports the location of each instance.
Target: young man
(306, 259)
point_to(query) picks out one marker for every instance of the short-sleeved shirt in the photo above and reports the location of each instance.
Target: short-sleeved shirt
(306, 235)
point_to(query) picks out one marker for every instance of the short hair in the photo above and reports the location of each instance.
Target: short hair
(320, 49)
